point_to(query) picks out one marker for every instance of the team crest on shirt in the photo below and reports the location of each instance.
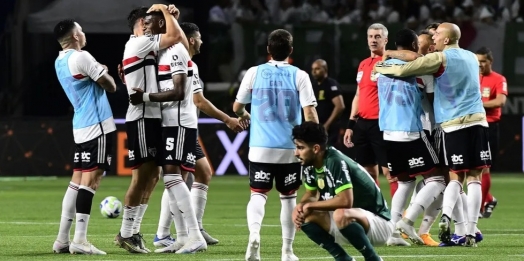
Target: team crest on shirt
(152, 151)
(486, 91)
(320, 181)
(373, 76)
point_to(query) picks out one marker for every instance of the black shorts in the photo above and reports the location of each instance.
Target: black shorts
(143, 141)
(94, 154)
(493, 137)
(369, 143)
(411, 158)
(467, 149)
(287, 177)
(199, 153)
(180, 147)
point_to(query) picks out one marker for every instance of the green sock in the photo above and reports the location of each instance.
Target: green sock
(325, 240)
(356, 235)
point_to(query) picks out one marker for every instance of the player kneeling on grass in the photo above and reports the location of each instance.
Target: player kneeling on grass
(350, 210)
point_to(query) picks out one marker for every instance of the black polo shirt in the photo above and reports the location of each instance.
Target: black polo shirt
(325, 92)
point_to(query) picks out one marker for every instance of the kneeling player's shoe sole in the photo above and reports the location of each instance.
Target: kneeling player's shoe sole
(404, 228)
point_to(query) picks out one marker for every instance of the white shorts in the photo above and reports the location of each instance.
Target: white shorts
(379, 229)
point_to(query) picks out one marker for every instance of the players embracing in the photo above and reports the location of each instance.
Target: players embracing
(459, 110)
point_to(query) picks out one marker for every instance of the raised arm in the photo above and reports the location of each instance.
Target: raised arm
(428, 64)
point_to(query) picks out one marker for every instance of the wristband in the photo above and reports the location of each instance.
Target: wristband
(351, 124)
(145, 97)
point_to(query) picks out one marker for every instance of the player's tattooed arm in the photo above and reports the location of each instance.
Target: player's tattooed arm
(344, 199)
(404, 55)
(310, 114)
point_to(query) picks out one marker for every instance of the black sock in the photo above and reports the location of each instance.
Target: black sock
(84, 200)
(325, 240)
(356, 235)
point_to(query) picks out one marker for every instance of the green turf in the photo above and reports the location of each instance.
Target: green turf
(30, 212)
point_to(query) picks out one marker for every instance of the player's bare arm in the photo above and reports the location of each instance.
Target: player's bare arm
(174, 33)
(352, 120)
(428, 64)
(107, 82)
(498, 102)
(208, 108)
(344, 199)
(404, 55)
(176, 94)
(310, 113)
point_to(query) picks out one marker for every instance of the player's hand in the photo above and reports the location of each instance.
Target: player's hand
(234, 125)
(244, 123)
(137, 97)
(121, 73)
(157, 7)
(174, 11)
(347, 138)
(306, 211)
(297, 216)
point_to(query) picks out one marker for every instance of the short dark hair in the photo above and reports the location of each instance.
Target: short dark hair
(63, 28)
(485, 51)
(134, 15)
(425, 32)
(311, 133)
(432, 26)
(405, 39)
(189, 29)
(280, 44)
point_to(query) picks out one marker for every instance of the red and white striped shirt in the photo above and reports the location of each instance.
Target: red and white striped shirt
(140, 72)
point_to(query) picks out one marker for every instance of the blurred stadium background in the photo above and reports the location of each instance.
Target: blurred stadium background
(35, 115)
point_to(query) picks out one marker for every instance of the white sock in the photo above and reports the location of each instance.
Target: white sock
(451, 195)
(458, 216)
(256, 211)
(68, 213)
(179, 192)
(199, 199)
(430, 214)
(164, 222)
(429, 193)
(400, 198)
(128, 219)
(464, 198)
(474, 202)
(178, 219)
(419, 186)
(139, 216)
(288, 227)
(82, 220)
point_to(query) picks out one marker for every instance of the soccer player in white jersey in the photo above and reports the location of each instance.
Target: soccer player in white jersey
(143, 121)
(85, 83)
(202, 169)
(277, 91)
(179, 135)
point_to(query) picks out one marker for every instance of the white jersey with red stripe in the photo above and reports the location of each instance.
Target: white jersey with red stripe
(425, 83)
(172, 61)
(141, 72)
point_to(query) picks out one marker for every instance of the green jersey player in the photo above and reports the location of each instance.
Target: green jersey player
(342, 204)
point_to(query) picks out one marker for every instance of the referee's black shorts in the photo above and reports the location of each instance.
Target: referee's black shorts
(370, 148)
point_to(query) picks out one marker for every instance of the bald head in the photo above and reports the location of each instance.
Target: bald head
(446, 34)
(319, 69)
(452, 31)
